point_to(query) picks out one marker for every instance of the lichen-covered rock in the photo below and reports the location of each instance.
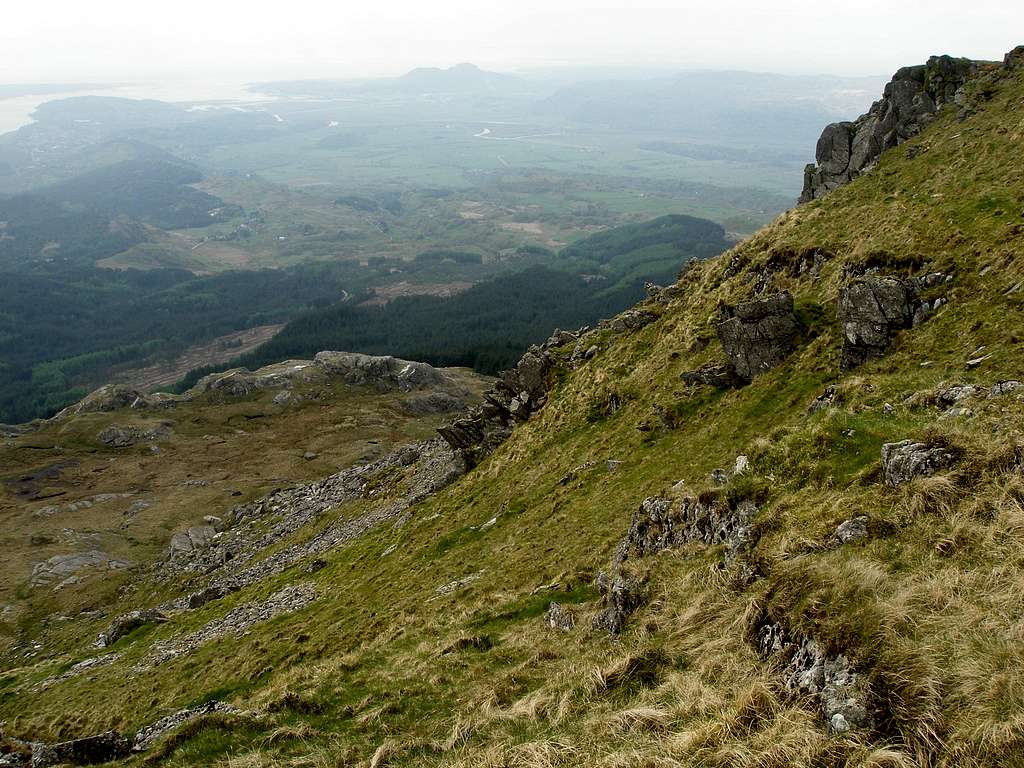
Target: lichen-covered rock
(632, 320)
(148, 736)
(621, 595)
(758, 335)
(112, 397)
(871, 310)
(909, 103)
(560, 617)
(905, 460)
(122, 625)
(87, 751)
(808, 670)
(1004, 387)
(384, 373)
(659, 524)
(850, 530)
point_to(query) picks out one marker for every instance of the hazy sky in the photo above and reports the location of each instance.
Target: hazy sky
(64, 40)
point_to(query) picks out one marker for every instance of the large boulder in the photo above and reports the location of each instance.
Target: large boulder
(621, 595)
(909, 103)
(87, 751)
(758, 335)
(905, 460)
(871, 310)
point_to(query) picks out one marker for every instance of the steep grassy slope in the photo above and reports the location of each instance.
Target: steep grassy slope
(427, 644)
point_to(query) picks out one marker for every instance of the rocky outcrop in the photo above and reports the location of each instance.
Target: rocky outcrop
(122, 625)
(125, 436)
(148, 736)
(758, 335)
(291, 598)
(911, 101)
(660, 524)
(65, 568)
(383, 373)
(87, 751)
(718, 375)
(112, 397)
(560, 617)
(850, 530)
(872, 309)
(808, 670)
(903, 461)
(516, 395)
(234, 559)
(621, 595)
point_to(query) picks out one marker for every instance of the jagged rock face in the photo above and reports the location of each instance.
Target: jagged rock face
(122, 625)
(1014, 60)
(660, 524)
(559, 617)
(903, 461)
(758, 335)
(88, 751)
(873, 309)
(910, 102)
(518, 394)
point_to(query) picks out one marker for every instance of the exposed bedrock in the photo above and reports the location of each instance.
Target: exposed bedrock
(910, 102)
(758, 335)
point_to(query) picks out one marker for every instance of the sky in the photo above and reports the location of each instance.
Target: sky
(137, 40)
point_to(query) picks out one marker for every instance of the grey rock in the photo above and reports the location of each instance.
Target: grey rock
(119, 436)
(384, 373)
(850, 530)
(758, 335)
(1004, 387)
(1014, 60)
(632, 320)
(808, 670)
(949, 396)
(559, 617)
(123, 625)
(718, 375)
(905, 460)
(871, 310)
(148, 736)
(659, 524)
(621, 595)
(309, 455)
(909, 103)
(62, 567)
(518, 393)
(87, 751)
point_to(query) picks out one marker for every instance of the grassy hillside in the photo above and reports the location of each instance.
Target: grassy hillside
(427, 644)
